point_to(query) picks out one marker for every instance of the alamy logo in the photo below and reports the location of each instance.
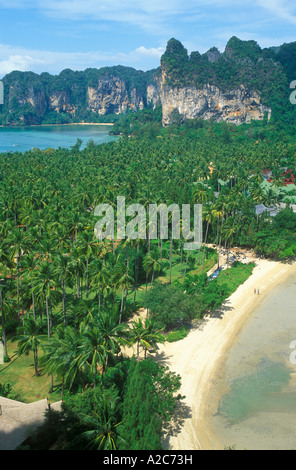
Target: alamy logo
(1, 93)
(293, 94)
(1, 353)
(152, 225)
(293, 353)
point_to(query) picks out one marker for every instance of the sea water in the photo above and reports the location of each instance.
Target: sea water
(258, 407)
(21, 139)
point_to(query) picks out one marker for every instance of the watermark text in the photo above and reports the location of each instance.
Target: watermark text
(1, 353)
(293, 94)
(136, 222)
(1, 92)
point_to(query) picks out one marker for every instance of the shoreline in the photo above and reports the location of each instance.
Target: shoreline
(65, 124)
(200, 357)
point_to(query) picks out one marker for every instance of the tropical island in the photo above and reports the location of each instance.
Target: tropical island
(86, 322)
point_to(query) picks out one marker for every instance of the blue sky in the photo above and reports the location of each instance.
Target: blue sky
(51, 35)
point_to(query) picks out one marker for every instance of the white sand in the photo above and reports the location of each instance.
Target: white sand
(197, 357)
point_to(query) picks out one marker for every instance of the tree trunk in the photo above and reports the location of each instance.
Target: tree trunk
(3, 324)
(186, 266)
(99, 298)
(121, 306)
(136, 272)
(181, 261)
(171, 251)
(33, 305)
(152, 279)
(22, 299)
(17, 287)
(86, 277)
(64, 300)
(204, 250)
(47, 316)
(77, 283)
(36, 361)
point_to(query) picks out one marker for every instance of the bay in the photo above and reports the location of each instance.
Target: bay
(21, 139)
(257, 410)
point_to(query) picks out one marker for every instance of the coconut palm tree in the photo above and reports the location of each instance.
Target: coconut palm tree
(87, 244)
(208, 216)
(104, 431)
(29, 337)
(144, 334)
(44, 285)
(113, 333)
(151, 264)
(63, 273)
(62, 356)
(18, 246)
(93, 352)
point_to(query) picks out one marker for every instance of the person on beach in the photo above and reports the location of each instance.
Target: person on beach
(258, 292)
(255, 291)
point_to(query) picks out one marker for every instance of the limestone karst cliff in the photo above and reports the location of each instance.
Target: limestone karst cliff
(235, 106)
(241, 84)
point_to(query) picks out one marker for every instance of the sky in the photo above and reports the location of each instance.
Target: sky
(51, 35)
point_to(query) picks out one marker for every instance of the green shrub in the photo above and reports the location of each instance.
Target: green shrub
(178, 334)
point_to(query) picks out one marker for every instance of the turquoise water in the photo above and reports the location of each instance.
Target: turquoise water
(257, 410)
(260, 391)
(21, 139)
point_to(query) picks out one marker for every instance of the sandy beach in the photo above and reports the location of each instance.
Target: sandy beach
(200, 356)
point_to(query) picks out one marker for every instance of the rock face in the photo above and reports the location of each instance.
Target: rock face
(60, 101)
(35, 99)
(154, 95)
(111, 97)
(29, 100)
(235, 106)
(233, 86)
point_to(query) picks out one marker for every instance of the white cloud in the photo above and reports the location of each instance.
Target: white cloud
(153, 16)
(280, 9)
(19, 62)
(17, 58)
(199, 24)
(152, 52)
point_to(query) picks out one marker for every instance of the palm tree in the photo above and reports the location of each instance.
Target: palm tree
(100, 276)
(18, 247)
(104, 434)
(3, 335)
(208, 216)
(62, 355)
(137, 261)
(151, 264)
(114, 334)
(75, 225)
(230, 229)
(85, 312)
(28, 266)
(145, 335)
(62, 270)
(93, 352)
(76, 264)
(88, 244)
(30, 335)
(123, 282)
(44, 285)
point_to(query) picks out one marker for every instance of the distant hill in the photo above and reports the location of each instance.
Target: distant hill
(243, 83)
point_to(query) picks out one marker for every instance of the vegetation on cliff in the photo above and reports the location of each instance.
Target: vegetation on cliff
(267, 71)
(36, 99)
